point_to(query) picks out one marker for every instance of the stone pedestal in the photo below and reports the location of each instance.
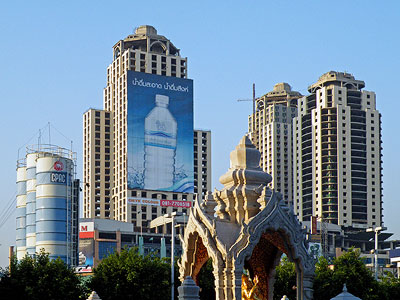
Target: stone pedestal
(188, 290)
(94, 296)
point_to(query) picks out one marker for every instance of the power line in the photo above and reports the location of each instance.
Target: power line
(67, 138)
(10, 207)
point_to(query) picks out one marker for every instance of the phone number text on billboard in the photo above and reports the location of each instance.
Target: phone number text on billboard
(157, 202)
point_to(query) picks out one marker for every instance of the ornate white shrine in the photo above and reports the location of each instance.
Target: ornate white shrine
(244, 228)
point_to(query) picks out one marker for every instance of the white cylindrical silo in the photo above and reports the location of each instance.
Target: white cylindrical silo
(31, 203)
(21, 212)
(53, 202)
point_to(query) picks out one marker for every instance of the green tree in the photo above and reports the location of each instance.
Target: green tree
(285, 280)
(40, 278)
(128, 275)
(390, 286)
(206, 281)
(329, 278)
(347, 269)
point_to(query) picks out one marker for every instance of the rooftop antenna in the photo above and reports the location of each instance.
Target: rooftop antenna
(254, 107)
(39, 137)
(49, 133)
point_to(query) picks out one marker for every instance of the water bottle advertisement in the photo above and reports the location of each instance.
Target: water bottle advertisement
(160, 133)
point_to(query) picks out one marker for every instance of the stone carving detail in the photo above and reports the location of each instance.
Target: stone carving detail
(245, 227)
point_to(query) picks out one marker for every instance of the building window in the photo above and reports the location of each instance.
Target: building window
(106, 248)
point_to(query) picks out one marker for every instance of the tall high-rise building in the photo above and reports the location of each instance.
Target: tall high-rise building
(202, 162)
(271, 133)
(337, 153)
(98, 164)
(116, 187)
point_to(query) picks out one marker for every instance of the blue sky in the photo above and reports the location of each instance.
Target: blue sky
(53, 59)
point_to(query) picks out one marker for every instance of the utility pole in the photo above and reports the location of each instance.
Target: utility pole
(172, 256)
(254, 107)
(172, 216)
(10, 255)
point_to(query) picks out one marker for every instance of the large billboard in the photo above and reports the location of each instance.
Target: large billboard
(86, 246)
(160, 133)
(86, 252)
(315, 250)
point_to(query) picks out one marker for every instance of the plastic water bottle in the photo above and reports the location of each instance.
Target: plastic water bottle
(160, 130)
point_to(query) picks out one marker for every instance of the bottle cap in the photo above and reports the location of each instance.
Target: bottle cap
(162, 100)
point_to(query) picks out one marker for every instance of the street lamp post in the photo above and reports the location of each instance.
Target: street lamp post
(173, 255)
(377, 230)
(141, 222)
(141, 243)
(172, 216)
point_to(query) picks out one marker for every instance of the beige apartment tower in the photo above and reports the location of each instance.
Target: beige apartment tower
(97, 164)
(272, 135)
(337, 153)
(144, 51)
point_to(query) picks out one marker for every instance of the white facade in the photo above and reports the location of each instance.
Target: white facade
(337, 153)
(272, 135)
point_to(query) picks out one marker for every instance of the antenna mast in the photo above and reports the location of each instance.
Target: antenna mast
(254, 107)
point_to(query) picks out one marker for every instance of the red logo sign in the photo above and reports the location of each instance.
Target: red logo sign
(58, 166)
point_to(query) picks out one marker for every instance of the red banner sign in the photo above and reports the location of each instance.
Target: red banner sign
(175, 203)
(313, 225)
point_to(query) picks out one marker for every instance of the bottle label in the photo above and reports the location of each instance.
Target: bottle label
(159, 139)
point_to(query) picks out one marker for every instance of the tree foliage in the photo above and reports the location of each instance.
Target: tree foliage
(285, 280)
(390, 286)
(128, 275)
(40, 278)
(348, 269)
(206, 281)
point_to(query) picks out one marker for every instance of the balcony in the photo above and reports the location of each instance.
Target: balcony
(329, 173)
(329, 188)
(329, 181)
(330, 167)
(331, 210)
(330, 195)
(329, 202)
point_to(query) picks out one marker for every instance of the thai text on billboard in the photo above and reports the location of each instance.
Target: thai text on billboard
(160, 133)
